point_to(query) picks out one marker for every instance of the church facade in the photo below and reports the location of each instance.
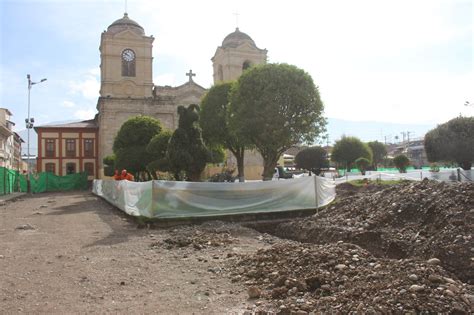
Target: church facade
(127, 88)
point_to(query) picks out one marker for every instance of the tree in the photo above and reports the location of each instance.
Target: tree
(215, 124)
(157, 148)
(186, 149)
(452, 141)
(273, 107)
(349, 149)
(401, 162)
(362, 164)
(109, 165)
(312, 159)
(379, 152)
(131, 142)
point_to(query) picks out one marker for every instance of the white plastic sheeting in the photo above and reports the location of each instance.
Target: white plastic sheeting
(417, 175)
(165, 199)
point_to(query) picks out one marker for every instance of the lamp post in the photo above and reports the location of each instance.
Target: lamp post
(29, 124)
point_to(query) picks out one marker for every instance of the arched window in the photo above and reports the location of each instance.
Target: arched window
(128, 63)
(246, 65)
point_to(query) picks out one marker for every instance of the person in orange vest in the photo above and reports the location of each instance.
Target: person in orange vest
(117, 175)
(126, 176)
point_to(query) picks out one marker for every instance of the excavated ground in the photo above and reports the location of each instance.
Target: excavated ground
(406, 247)
(398, 249)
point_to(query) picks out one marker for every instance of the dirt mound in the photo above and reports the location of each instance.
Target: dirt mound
(343, 277)
(207, 235)
(414, 219)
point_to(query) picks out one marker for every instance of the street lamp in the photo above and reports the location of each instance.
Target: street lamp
(29, 124)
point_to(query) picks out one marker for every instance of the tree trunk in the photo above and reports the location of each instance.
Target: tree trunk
(269, 168)
(240, 166)
(194, 177)
(465, 165)
(151, 175)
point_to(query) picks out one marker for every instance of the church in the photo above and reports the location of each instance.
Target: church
(127, 90)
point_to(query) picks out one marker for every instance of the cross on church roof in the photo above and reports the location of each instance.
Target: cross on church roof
(190, 74)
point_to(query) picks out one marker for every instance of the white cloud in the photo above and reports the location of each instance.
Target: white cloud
(165, 79)
(68, 104)
(89, 86)
(94, 72)
(84, 113)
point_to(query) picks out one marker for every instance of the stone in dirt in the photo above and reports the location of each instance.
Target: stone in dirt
(254, 292)
(25, 227)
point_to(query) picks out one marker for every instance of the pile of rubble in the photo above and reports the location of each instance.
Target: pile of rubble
(212, 234)
(295, 278)
(409, 220)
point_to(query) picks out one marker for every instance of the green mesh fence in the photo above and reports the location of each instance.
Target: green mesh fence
(43, 182)
(9, 181)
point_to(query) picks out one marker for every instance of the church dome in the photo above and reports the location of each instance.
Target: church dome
(237, 38)
(124, 24)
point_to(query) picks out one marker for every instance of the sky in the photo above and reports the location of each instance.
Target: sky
(390, 62)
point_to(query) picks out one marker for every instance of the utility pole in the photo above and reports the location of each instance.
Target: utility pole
(408, 145)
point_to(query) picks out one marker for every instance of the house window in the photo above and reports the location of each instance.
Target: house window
(70, 168)
(50, 147)
(88, 147)
(70, 147)
(50, 167)
(89, 168)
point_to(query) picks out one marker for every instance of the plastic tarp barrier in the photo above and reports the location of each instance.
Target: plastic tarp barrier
(131, 197)
(166, 199)
(446, 175)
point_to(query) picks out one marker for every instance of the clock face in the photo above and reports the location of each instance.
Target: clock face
(128, 55)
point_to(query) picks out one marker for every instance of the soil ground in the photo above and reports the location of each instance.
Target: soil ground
(75, 253)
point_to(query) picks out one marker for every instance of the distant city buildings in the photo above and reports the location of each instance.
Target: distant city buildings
(10, 143)
(414, 149)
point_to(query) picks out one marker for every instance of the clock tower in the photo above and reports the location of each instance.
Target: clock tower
(126, 60)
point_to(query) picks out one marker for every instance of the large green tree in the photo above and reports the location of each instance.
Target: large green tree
(131, 142)
(214, 121)
(274, 107)
(186, 149)
(312, 159)
(379, 152)
(157, 148)
(349, 149)
(452, 141)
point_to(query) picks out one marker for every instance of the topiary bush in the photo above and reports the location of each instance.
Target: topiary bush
(401, 162)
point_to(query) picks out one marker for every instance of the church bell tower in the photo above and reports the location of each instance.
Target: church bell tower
(237, 53)
(126, 60)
